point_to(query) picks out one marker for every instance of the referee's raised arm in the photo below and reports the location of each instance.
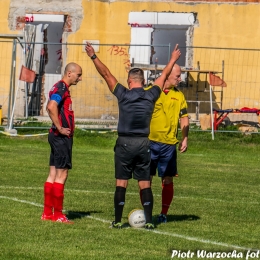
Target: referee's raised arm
(168, 68)
(101, 67)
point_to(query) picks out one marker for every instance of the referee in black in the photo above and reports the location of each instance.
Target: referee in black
(132, 149)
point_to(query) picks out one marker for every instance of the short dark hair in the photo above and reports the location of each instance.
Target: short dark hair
(136, 74)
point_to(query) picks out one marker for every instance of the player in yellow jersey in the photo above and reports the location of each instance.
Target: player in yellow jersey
(170, 110)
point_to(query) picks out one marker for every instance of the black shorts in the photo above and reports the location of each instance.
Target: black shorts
(132, 157)
(61, 151)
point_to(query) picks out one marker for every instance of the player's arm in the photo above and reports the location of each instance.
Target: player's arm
(101, 68)
(53, 111)
(184, 123)
(168, 68)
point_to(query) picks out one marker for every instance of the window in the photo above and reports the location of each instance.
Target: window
(162, 31)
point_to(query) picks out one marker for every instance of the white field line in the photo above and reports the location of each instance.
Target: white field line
(154, 231)
(21, 201)
(112, 192)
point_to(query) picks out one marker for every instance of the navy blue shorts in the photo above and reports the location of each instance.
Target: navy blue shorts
(163, 158)
(61, 151)
(132, 158)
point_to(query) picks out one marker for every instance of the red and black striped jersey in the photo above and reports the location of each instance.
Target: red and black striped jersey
(61, 94)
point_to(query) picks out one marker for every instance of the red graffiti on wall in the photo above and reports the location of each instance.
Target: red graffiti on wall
(127, 64)
(29, 19)
(117, 50)
(121, 51)
(140, 25)
(59, 52)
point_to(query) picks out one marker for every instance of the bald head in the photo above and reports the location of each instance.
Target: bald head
(72, 66)
(176, 67)
(72, 74)
(174, 78)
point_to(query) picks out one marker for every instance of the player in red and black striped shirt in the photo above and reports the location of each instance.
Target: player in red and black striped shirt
(60, 138)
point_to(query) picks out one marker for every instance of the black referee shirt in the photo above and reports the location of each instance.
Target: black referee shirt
(135, 109)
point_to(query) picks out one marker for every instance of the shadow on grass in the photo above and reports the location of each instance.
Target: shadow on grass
(171, 218)
(80, 214)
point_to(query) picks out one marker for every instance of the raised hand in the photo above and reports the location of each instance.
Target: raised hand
(176, 53)
(89, 49)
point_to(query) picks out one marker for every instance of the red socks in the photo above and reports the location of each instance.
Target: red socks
(167, 196)
(48, 202)
(58, 197)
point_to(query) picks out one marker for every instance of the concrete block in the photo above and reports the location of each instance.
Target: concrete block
(205, 122)
(10, 131)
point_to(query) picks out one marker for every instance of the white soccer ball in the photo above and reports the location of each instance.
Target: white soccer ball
(136, 218)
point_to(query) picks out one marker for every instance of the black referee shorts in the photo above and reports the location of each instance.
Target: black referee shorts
(132, 158)
(61, 151)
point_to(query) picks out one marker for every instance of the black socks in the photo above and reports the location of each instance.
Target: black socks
(147, 200)
(119, 202)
